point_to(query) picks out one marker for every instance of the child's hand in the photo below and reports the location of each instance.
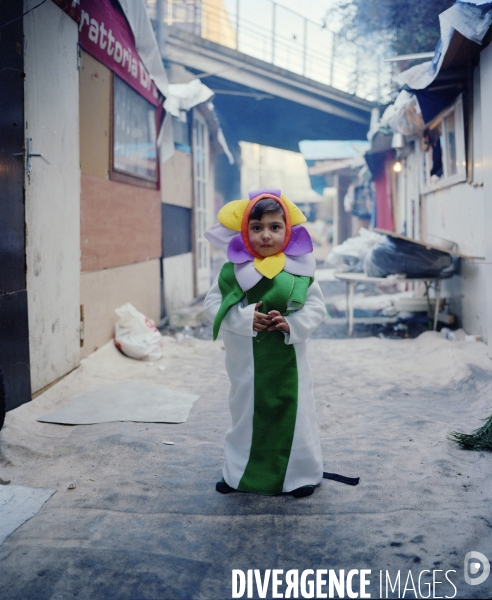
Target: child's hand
(260, 320)
(278, 322)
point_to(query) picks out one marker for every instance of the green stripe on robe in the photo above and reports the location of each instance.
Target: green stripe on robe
(275, 388)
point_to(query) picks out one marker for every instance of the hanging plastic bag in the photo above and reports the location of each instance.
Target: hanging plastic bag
(136, 335)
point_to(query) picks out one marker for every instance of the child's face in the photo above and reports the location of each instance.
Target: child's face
(267, 236)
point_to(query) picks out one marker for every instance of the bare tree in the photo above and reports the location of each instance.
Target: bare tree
(404, 26)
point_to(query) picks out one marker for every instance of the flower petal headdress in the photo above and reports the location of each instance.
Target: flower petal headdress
(295, 256)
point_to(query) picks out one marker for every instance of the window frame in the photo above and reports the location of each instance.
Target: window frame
(427, 184)
(118, 174)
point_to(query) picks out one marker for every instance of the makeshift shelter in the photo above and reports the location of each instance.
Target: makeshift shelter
(338, 164)
(433, 144)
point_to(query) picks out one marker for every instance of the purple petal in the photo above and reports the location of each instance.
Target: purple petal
(247, 276)
(236, 252)
(219, 235)
(255, 193)
(300, 265)
(300, 242)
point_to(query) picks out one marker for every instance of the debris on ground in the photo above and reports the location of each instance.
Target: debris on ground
(448, 334)
(190, 316)
(136, 336)
(480, 439)
(72, 485)
(473, 338)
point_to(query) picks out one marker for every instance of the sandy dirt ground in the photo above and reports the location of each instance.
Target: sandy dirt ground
(145, 521)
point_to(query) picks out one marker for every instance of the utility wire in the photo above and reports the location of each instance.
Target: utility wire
(26, 13)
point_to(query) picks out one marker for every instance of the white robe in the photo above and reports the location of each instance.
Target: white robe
(305, 466)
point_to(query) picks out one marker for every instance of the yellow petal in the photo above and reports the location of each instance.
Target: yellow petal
(271, 265)
(231, 214)
(296, 215)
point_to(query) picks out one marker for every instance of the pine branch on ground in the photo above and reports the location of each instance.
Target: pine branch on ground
(481, 439)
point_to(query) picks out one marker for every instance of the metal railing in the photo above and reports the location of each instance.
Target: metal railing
(273, 33)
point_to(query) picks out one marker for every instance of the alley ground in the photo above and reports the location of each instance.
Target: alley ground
(146, 522)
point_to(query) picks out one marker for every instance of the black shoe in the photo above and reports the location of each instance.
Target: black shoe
(223, 488)
(302, 492)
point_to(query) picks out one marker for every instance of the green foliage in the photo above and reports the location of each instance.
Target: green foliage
(405, 26)
(481, 439)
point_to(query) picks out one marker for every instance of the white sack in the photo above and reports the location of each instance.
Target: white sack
(350, 254)
(136, 335)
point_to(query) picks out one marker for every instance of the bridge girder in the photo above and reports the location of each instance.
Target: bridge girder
(260, 102)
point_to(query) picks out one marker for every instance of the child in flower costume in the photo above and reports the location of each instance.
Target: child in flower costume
(267, 304)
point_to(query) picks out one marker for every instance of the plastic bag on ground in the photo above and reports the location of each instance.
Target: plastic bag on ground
(349, 255)
(394, 255)
(136, 335)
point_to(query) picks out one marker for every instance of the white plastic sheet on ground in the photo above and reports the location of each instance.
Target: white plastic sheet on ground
(125, 401)
(18, 504)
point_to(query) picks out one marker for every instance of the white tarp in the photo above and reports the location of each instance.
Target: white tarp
(183, 96)
(125, 401)
(18, 504)
(404, 116)
(145, 42)
(472, 19)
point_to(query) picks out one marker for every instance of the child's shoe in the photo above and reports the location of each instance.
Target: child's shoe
(222, 487)
(302, 492)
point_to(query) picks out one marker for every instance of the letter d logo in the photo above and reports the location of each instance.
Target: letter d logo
(471, 568)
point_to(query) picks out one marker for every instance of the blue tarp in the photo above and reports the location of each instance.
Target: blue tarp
(472, 19)
(433, 102)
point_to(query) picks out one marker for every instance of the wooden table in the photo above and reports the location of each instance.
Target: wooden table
(353, 279)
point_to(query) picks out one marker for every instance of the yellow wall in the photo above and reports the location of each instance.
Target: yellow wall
(121, 223)
(103, 291)
(95, 115)
(216, 25)
(177, 180)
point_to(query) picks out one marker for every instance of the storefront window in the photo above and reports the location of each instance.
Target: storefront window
(134, 133)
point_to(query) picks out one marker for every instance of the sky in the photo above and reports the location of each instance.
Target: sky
(305, 48)
(317, 8)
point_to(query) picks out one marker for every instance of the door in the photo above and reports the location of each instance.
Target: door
(201, 203)
(412, 196)
(14, 331)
